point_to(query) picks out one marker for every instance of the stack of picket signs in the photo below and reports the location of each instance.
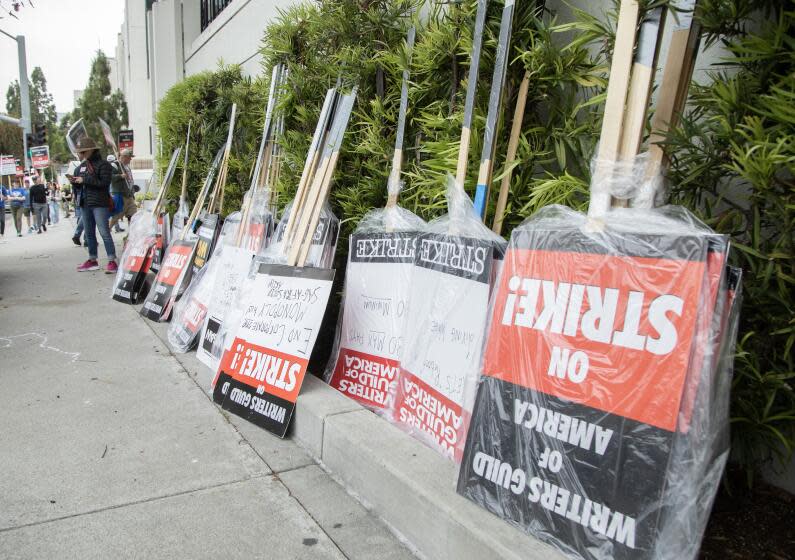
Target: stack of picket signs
(271, 327)
(134, 276)
(212, 289)
(579, 373)
(600, 417)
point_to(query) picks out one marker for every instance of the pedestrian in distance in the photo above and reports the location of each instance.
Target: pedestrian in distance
(55, 202)
(66, 200)
(26, 208)
(3, 198)
(16, 197)
(122, 189)
(77, 191)
(94, 175)
(38, 205)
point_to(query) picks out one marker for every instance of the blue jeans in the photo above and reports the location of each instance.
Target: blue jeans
(54, 212)
(98, 216)
(80, 227)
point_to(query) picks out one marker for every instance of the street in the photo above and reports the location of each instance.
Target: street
(111, 446)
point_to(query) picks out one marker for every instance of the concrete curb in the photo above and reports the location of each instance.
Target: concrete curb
(407, 484)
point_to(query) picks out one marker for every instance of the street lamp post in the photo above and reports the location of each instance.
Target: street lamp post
(24, 96)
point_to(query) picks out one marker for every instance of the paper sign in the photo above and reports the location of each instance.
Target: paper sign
(170, 281)
(261, 374)
(377, 287)
(444, 335)
(40, 156)
(589, 348)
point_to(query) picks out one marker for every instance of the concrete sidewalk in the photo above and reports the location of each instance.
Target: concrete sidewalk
(110, 448)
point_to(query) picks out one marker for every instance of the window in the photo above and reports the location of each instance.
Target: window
(210, 10)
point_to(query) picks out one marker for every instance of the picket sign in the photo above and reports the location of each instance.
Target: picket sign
(175, 272)
(142, 246)
(264, 363)
(365, 362)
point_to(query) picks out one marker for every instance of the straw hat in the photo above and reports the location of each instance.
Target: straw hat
(86, 144)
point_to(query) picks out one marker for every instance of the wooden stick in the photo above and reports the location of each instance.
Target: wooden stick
(299, 253)
(311, 161)
(466, 129)
(393, 183)
(510, 156)
(495, 100)
(677, 73)
(610, 136)
(172, 165)
(221, 182)
(184, 192)
(208, 181)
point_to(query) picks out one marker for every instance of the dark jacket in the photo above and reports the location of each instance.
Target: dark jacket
(38, 194)
(96, 174)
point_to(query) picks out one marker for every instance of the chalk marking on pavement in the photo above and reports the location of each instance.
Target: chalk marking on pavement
(8, 342)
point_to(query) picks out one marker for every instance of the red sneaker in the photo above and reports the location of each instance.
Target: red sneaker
(112, 267)
(90, 264)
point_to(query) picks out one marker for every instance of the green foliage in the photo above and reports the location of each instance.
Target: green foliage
(734, 164)
(99, 102)
(42, 110)
(206, 100)
(10, 140)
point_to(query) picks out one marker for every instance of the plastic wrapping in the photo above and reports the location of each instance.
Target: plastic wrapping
(454, 268)
(365, 361)
(324, 240)
(180, 218)
(129, 284)
(233, 265)
(600, 421)
(74, 135)
(190, 311)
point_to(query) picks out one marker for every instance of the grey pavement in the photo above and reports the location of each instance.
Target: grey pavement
(111, 447)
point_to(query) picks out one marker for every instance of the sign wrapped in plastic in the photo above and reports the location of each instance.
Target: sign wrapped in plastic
(365, 363)
(136, 259)
(600, 413)
(171, 280)
(454, 267)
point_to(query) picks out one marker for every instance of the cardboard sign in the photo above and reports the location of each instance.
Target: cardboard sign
(447, 318)
(261, 374)
(208, 233)
(170, 281)
(377, 287)
(8, 165)
(586, 360)
(135, 264)
(125, 140)
(40, 157)
(232, 271)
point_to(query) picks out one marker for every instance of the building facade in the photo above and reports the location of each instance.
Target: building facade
(163, 41)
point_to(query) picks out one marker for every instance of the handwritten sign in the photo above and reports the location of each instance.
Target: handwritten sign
(261, 374)
(233, 268)
(171, 279)
(444, 335)
(589, 349)
(377, 287)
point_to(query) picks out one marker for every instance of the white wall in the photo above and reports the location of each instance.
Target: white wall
(234, 36)
(137, 91)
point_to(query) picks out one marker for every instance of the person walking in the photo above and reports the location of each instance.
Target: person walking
(66, 200)
(16, 197)
(77, 191)
(27, 208)
(94, 176)
(38, 205)
(3, 198)
(55, 202)
(122, 189)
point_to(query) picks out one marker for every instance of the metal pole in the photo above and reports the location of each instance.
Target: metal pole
(24, 96)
